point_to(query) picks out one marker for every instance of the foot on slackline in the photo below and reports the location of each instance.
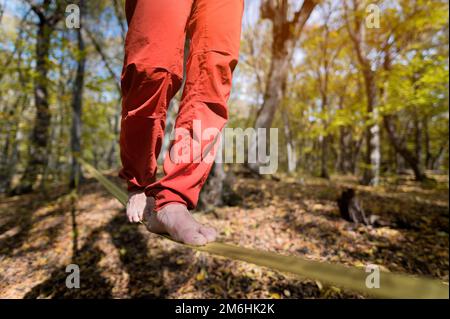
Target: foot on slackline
(176, 220)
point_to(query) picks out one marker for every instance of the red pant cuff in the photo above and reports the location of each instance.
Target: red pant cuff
(133, 188)
(165, 197)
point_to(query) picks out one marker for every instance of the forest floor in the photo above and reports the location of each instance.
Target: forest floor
(39, 238)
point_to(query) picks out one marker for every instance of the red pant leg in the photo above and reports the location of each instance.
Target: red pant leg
(214, 28)
(152, 74)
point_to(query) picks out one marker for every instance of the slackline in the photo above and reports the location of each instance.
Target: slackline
(391, 285)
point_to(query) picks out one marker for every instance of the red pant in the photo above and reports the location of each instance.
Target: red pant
(152, 75)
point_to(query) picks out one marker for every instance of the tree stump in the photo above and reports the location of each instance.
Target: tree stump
(351, 208)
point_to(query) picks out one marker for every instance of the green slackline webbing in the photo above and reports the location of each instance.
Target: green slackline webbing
(391, 285)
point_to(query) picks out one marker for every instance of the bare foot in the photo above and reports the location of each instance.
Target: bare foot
(176, 220)
(137, 204)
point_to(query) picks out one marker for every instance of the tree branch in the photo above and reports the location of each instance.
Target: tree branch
(36, 9)
(40, 11)
(302, 15)
(105, 59)
(268, 9)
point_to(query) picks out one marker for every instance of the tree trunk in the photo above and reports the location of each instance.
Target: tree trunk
(290, 145)
(285, 35)
(345, 150)
(436, 161)
(408, 156)
(371, 175)
(356, 152)
(356, 30)
(218, 190)
(77, 105)
(428, 156)
(351, 152)
(9, 159)
(39, 139)
(324, 157)
(324, 137)
(272, 99)
(418, 140)
(413, 160)
(211, 195)
(38, 155)
(112, 160)
(400, 166)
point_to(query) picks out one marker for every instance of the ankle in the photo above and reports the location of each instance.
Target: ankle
(171, 206)
(135, 192)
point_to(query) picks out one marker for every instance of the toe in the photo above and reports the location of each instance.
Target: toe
(129, 215)
(209, 233)
(194, 237)
(133, 216)
(140, 216)
(136, 217)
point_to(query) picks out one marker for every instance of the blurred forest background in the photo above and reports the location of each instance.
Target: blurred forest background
(358, 105)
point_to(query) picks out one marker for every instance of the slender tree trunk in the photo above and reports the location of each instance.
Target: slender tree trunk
(341, 151)
(77, 105)
(399, 164)
(2, 10)
(39, 139)
(211, 195)
(356, 29)
(9, 158)
(5, 177)
(409, 157)
(436, 161)
(345, 150)
(324, 158)
(418, 140)
(38, 156)
(324, 138)
(427, 142)
(371, 175)
(113, 149)
(290, 144)
(412, 158)
(323, 87)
